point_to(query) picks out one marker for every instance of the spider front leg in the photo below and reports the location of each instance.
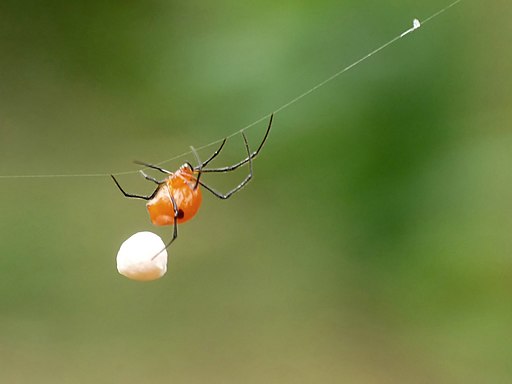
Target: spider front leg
(199, 168)
(201, 164)
(239, 186)
(214, 155)
(249, 157)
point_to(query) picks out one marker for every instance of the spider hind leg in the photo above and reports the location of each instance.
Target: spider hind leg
(131, 195)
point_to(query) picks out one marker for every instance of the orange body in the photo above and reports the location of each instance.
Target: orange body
(179, 185)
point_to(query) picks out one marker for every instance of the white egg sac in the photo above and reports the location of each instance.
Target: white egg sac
(142, 257)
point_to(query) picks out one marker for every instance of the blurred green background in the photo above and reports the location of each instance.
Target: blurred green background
(373, 245)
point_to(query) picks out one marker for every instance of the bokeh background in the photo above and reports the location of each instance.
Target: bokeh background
(373, 245)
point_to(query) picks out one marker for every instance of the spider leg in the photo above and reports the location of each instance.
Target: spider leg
(147, 177)
(214, 155)
(247, 159)
(132, 195)
(199, 168)
(153, 167)
(239, 186)
(175, 224)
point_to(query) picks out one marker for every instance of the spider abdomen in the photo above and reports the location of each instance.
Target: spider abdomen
(187, 196)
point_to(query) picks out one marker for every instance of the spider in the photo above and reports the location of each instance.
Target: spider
(177, 197)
